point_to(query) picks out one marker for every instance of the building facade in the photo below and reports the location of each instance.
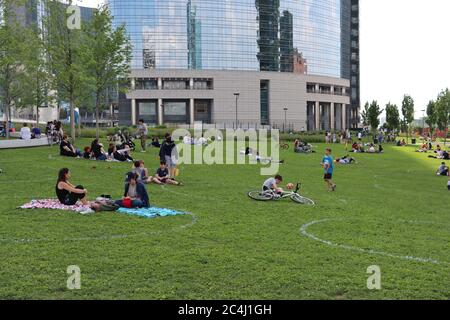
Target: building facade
(242, 62)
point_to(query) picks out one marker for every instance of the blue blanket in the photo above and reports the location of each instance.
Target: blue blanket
(151, 212)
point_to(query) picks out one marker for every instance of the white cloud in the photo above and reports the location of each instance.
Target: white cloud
(404, 50)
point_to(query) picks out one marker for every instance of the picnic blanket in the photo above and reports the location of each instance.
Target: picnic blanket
(54, 204)
(151, 212)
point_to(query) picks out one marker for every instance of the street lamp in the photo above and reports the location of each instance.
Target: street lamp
(285, 118)
(236, 94)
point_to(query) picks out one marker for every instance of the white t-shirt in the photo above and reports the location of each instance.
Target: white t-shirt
(25, 133)
(359, 135)
(187, 140)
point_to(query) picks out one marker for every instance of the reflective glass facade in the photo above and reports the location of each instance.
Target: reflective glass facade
(254, 35)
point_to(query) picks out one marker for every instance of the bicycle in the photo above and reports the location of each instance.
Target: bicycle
(269, 195)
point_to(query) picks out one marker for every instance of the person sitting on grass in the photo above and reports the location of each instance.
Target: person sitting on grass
(448, 184)
(139, 168)
(97, 150)
(162, 176)
(87, 153)
(271, 185)
(423, 148)
(135, 195)
(68, 194)
(66, 149)
(155, 142)
(443, 170)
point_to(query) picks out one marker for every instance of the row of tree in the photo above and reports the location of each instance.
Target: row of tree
(438, 114)
(58, 59)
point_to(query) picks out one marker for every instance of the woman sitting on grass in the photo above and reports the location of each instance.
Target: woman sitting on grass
(98, 151)
(67, 149)
(119, 155)
(68, 194)
(135, 195)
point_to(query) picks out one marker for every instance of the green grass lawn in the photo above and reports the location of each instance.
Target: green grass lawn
(231, 247)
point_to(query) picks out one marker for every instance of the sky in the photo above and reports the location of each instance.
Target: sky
(405, 49)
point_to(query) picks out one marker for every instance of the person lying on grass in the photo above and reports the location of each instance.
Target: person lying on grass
(162, 176)
(135, 195)
(141, 170)
(68, 194)
(345, 160)
(119, 155)
(271, 185)
(443, 170)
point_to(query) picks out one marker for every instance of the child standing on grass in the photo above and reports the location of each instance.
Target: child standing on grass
(328, 165)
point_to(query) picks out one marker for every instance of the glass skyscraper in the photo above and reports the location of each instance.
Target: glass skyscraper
(311, 37)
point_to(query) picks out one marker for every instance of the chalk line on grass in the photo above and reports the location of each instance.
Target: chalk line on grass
(103, 238)
(304, 232)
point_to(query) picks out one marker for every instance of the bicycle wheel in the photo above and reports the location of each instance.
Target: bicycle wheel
(260, 196)
(299, 199)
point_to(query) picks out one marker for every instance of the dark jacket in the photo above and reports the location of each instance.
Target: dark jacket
(166, 149)
(141, 192)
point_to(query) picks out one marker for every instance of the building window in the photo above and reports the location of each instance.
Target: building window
(175, 112)
(147, 111)
(265, 102)
(175, 84)
(146, 84)
(203, 84)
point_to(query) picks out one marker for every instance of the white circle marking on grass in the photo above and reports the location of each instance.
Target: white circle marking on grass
(102, 238)
(304, 232)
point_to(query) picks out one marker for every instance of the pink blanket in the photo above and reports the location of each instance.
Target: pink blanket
(53, 204)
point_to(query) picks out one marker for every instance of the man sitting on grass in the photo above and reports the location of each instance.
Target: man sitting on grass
(271, 185)
(443, 170)
(162, 176)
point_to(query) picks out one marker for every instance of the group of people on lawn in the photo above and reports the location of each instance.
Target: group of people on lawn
(135, 193)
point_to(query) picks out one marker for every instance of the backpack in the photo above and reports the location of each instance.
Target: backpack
(107, 205)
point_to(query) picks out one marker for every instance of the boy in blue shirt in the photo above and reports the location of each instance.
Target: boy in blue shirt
(328, 165)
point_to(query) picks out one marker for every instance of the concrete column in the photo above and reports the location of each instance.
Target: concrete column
(191, 83)
(160, 112)
(133, 84)
(332, 116)
(191, 111)
(317, 114)
(133, 112)
(159, 84)
(344, 116)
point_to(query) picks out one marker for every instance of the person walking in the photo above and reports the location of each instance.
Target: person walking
(142, 133)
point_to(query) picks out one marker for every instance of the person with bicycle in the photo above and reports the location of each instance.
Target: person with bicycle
(271, 185)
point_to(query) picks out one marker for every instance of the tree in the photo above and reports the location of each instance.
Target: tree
(37, 70)
(443, 111)
(373, 115)
(365, 115)
(109, 57)
(408, 113)
(392, 117)
(65, 57)
(431, 119)
(12, 56)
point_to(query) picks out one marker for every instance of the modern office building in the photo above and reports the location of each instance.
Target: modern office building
(245, 62)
